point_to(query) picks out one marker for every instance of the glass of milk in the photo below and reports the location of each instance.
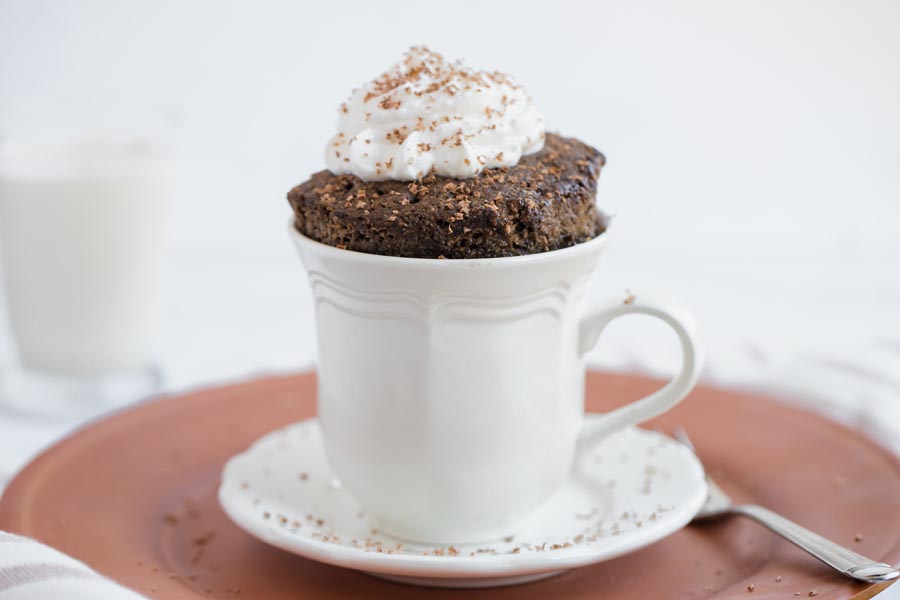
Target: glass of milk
(82, 249)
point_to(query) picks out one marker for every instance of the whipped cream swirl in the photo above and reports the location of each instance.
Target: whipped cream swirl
(428, 115)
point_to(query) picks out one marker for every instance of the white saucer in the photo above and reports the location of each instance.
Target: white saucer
(631, 490)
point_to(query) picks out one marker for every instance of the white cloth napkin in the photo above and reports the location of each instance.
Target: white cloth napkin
(32, 571)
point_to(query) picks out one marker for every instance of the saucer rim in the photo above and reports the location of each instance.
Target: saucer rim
(480, 566)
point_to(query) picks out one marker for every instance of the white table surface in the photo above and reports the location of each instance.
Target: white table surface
(818, 321)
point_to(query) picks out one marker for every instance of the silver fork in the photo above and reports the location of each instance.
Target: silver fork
(851, 564)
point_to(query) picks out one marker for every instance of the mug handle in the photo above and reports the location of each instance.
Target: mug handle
(589, 329)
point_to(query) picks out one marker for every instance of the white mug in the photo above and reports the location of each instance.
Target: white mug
(451, 392)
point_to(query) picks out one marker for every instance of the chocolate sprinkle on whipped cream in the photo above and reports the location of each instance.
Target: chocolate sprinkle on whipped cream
(427, 115)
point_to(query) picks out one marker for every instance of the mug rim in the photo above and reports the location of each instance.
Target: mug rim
(595, 243)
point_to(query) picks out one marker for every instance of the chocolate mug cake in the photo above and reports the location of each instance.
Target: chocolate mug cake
(451, 392)
(436, 160)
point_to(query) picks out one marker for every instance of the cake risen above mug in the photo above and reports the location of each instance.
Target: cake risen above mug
(435, 160)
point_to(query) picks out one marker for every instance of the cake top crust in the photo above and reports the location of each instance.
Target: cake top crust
(544, 202)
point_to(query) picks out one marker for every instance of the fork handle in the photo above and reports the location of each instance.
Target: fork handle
(844, 560)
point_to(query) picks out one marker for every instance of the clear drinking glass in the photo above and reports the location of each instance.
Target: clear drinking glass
(82, 247)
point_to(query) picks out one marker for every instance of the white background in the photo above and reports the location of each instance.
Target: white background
(753, 163)
(729, 119)
(753, 152)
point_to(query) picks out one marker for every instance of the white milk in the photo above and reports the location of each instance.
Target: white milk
(82, 247)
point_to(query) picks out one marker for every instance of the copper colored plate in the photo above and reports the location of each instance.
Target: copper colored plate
(134, 496)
